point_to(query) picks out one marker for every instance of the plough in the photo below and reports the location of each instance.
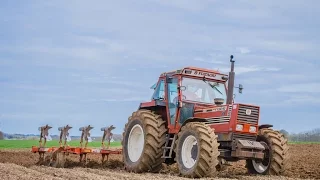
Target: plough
(57, 155)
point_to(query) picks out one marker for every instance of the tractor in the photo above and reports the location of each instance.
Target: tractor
(192, 120)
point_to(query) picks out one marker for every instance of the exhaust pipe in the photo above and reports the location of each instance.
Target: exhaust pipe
(231, 82)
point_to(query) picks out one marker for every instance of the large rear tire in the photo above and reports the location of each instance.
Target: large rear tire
(276, 158)
(143, 138)
(197, 150)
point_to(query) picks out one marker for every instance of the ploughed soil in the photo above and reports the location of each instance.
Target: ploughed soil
(22, 164)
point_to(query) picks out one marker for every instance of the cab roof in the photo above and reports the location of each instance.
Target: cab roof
(180, 71)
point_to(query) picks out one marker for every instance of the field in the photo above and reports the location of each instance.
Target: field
(21, 164)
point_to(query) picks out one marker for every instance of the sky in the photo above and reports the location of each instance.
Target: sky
(78, 62)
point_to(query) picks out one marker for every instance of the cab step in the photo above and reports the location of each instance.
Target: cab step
(168, 147)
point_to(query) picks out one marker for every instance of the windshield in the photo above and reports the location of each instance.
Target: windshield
(204, 91)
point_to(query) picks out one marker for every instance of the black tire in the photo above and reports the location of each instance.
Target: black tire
(154, 129)
(206, 151)
(276, 161)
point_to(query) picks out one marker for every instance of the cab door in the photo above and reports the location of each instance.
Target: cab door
(172, 99)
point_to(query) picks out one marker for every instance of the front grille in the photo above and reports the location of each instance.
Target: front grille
(244, 136)
(248, 119)
(218, 120)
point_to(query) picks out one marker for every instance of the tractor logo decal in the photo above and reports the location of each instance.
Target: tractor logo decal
(204, 74)
(248, 112)
(211, 110)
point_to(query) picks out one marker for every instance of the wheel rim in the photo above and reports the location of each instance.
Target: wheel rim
(262, 166)
(135, 143)
(189, 151)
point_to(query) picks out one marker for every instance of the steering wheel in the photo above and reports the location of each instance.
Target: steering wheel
(175, 100)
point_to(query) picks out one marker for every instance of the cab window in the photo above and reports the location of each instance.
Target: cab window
(159, 91)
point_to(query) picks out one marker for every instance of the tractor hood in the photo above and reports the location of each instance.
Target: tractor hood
(213, 113)
(242, 113)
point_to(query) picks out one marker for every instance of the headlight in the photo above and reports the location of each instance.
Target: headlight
(252, 129)
(239, 127)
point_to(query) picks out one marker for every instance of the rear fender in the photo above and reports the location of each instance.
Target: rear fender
(150, 104)
(157, 106)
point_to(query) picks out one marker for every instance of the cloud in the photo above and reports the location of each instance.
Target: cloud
(191, 5)
(212, 61)
(243, 50)
(67, 58)
(128, 99)
(300, 88)
(302, 99)
(250, 69)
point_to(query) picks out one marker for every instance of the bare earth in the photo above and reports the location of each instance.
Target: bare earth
(21, 164)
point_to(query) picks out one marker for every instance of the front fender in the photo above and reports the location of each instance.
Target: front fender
(193, 119)
(264, 126)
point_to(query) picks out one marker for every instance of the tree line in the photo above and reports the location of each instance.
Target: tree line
(1, 135)
(307, 136)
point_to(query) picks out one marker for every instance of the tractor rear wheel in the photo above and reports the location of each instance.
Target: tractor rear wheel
(276, 154)
(143, 138)
(197, 150)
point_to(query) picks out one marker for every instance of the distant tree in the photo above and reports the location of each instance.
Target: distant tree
(285, 133)
(1, 135)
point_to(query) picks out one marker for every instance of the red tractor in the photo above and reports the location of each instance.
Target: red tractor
(192, 120)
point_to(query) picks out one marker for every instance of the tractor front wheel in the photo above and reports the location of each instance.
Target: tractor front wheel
(276, 157)
(197, 150)
(144, 137)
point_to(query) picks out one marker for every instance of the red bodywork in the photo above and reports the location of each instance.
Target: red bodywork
(227, 112)
(203, 111)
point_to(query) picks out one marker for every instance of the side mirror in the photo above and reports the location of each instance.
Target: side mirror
(240, 88)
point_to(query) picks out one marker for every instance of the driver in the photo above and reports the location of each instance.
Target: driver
(188, 95)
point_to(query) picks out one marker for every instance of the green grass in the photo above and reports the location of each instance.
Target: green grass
(12, 144)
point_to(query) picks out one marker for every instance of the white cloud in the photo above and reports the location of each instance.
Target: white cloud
(199, 59)
(256, 81)
(191, 5)
(127, 99)
(243, 50)
(242, 69)
(302, 99)
(300, 88)
(288, 45)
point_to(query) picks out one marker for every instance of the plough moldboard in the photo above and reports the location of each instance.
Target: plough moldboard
(56, 156)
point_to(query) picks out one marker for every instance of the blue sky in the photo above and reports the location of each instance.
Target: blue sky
(80, 62)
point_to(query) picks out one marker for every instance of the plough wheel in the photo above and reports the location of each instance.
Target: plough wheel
(56, 159)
